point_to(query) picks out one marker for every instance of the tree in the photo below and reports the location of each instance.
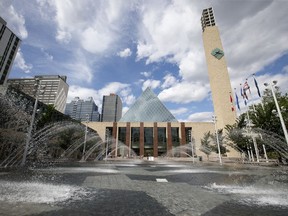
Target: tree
(221, 137)
(264, 119)
(205, 144)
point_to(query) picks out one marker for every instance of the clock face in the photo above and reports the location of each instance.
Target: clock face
(217, 53)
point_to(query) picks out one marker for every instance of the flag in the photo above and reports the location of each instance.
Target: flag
(241, 91)
(256, 84)
(246, 87)
(231, 101)
(237, 101)
(245, 95)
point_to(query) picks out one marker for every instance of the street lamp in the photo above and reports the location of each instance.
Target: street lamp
(278, 109)
(85, 137)
(38, 91)
(214, 119)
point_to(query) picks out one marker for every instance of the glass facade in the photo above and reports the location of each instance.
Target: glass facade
(80, 110)
(9, 44)
(135, 139)
(148, 141)
(162, 140)
(148, 108)
(111, 108)
(122, 134)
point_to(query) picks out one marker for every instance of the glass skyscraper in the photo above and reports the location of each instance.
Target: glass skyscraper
(9, 44)
(83, 110)
(111, 108)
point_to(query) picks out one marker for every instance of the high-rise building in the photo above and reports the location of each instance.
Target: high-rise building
(217, 70)
(111, 108)
(54, 89)
(83, 110)
(9, 44)
(149, 108)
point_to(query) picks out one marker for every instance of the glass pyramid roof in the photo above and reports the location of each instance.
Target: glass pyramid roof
(148, 108)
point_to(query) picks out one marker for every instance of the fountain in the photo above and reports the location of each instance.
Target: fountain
(132, 187)
(265, 144)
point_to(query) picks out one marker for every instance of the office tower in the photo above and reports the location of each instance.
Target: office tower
(217, 71)
(111, 108)
(148, 108)
(82, 110)
(54, 89)
(9, 44)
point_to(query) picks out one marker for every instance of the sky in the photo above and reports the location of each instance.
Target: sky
(125, 46)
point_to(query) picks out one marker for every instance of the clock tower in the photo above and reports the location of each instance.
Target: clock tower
(220, 85)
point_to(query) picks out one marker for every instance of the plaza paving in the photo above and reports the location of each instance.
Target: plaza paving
(141, 187)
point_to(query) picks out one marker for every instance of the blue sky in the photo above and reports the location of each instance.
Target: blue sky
(124, 46)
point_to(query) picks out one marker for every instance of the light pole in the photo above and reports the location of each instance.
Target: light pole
(278, 109)
(38, 90)
(85, 137)
(214, 119)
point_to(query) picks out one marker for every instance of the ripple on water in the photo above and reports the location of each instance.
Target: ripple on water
(37, 192)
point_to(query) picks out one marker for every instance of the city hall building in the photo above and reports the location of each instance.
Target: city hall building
(149, 129)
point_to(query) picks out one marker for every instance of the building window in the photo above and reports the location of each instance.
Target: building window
(162, 141)
(175, 136)
(135, 139)
(148, 141)
(122, 135)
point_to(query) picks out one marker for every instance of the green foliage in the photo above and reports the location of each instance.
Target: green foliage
(263, 116)
(208, 147)
(49, 114)
(67, 137)
(205, 144)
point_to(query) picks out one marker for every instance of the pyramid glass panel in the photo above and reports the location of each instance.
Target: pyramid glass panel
(148, 108)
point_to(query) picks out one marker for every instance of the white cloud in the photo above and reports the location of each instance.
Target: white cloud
(82, 93)
(255, 41)
(15, 21)
(126, 95)
(146, 74)
(201, 117)
(161, 36)
(193, 67)
(169, 80)
(179, 111)
(150, 83)
(285, 69)
(96, 25)
(124, 110)
(79, 71)
(114, 88)
(47, 55)
(95, 41)
(125, 53)
(21, 63)
(184, 92)
(129, 100)
(63, 37)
